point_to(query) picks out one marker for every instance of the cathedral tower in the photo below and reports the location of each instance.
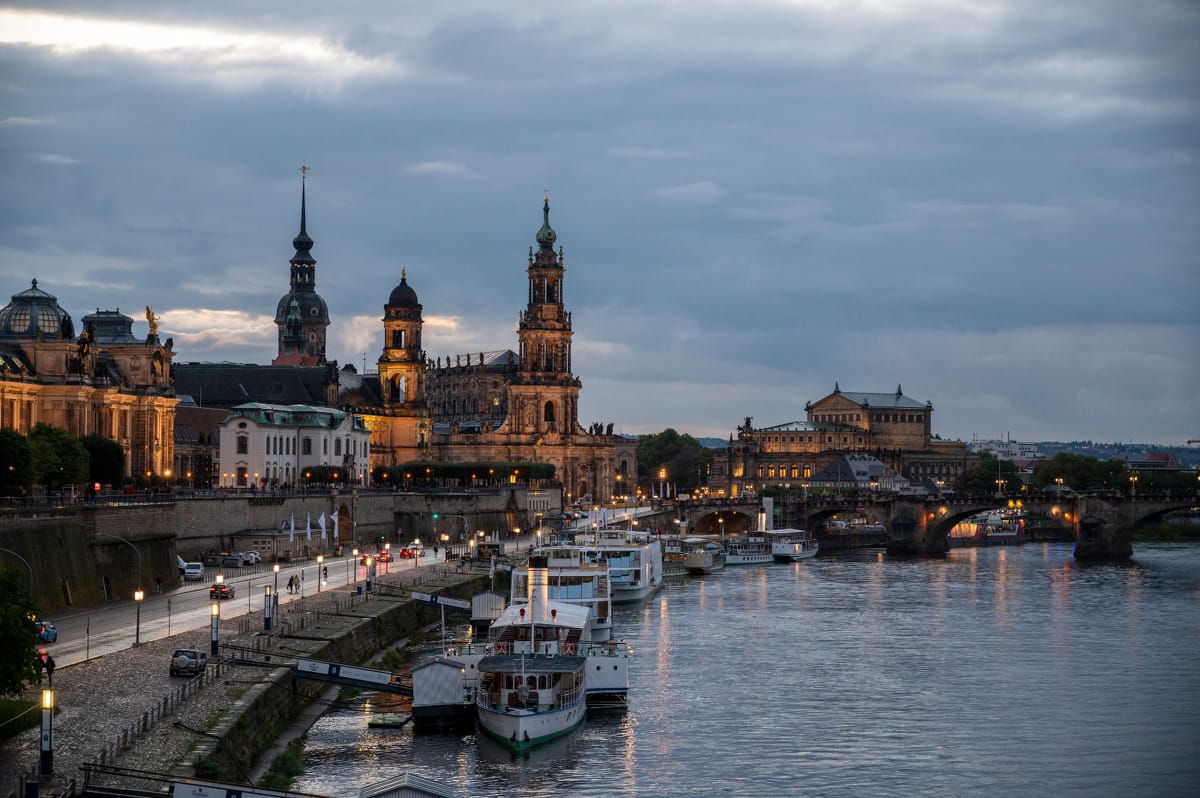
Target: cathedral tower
(402, 364)
(302, 316)
(544, 397)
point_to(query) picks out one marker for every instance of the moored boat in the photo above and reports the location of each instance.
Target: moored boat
(788, 545)
(635, 561)
(703, 556)
(573, 577)
(755, 549)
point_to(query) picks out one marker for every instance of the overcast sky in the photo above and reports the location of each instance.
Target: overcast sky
(993, 204)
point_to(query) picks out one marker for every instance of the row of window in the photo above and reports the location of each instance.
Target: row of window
(783, 471)
(278, 444)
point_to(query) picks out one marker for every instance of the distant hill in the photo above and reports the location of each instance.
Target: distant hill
(713, 443)
(1188, 456)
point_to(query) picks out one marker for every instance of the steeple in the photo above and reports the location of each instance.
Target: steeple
(302, 315)
(546, 235)
(302, 242)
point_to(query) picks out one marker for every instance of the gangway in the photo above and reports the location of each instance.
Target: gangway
(350, 676)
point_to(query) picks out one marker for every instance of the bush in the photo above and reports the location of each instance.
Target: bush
(286, 767)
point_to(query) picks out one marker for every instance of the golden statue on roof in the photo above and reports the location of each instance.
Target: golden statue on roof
(152, 320)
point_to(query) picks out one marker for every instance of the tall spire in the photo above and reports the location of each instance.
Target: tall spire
(302, 242)
(546, 235)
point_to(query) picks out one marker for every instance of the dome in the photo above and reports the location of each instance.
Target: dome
(546, 235)
(402, 295)
(312, 307)
(34, 312)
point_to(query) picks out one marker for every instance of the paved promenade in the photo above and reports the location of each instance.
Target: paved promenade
(104, 703)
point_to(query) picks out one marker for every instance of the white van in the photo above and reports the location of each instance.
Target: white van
(193, 572)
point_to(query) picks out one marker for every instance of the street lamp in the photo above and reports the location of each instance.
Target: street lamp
(370, 571)
(47, 763)
(138, 595)
(354, 556)
(320, 560)
(1133, 478)
(267, 599)
(275, 593)
(215, 628)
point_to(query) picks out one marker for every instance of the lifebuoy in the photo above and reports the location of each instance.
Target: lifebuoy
(501, 648)
(569, 648)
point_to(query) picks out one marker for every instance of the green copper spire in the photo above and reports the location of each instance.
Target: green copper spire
(546, 235)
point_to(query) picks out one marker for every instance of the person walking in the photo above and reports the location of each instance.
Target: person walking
(49, 666)
(158, 584)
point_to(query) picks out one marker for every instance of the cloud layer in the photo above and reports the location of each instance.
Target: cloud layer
(991, 203)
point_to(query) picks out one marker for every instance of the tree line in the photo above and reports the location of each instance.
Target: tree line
(54, 458)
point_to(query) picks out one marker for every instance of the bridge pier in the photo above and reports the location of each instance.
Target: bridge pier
(1101, 540)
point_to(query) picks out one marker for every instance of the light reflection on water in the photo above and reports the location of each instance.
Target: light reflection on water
(994, 672)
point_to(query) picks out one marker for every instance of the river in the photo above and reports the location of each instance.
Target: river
(993, 672)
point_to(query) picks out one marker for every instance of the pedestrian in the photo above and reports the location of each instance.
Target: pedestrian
(158, 584)
(49, 665)
(325, 573)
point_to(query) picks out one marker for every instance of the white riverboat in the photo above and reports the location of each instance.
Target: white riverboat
(788, 545)
(532, 687)
(635, 561)
(573, 577)
(754, 549)
(703, 556)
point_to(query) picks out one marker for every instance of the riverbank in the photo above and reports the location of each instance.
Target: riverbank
(124, 709)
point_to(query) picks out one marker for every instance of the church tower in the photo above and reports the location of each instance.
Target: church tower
(302, 316)
(401, 431)
(402, 364)
(544, 397)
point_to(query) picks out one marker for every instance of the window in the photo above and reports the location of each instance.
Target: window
(243, 444)
(306, 446)
(549, 412)
(337, 447)
(325, 446)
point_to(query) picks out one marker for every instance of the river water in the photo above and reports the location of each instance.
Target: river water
(994, 672)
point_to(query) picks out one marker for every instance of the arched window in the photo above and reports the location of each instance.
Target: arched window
(549, 412)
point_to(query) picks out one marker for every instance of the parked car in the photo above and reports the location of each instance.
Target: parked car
(46, 632)
(252, 557)
(188, 662)
(193, 572)
(221, 591)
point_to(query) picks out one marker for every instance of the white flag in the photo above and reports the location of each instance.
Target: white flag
(333, 517)
(493, 571)
(321, 523)
(308, 526)
(292, 532)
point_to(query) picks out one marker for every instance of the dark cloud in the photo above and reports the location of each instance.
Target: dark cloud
(989, 203)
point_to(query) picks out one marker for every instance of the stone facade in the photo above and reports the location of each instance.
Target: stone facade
(891, 426)
(104, 381)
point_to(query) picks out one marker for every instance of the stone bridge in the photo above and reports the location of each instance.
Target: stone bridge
(1101, 524)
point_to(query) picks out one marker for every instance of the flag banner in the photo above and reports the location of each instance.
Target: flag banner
(292, 530)
(321, 523)
(333, 517)
(493, 571)
(308, 527)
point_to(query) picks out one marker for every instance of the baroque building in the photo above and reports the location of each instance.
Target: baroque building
(892, 427)
(105, 381)
(502, 405)
(302, 317)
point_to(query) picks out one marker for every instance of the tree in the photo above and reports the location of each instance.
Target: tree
(1080, 472)
(982, 478)
(58, 457)
(18, 641)
(16, 462)
(685, 459)
(106, 459)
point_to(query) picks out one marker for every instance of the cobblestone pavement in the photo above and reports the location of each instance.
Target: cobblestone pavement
(100, 699)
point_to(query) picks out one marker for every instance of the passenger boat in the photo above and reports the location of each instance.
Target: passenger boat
(635, 561)
(754, 550)
(573, 577)
(703, 556)
(788, 545)
(532, 688)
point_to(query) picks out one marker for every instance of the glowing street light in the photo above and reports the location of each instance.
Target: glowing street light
(138, 595)
(47, 760)
(320, 561)
(215, 628)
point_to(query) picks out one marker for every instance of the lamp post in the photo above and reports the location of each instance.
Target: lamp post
(47, 763)
(138, 595)
(320, 562)
(267, 608)
(215, 628)
(354, 557)
(370, 571)
(1133, 478)
(275, 590)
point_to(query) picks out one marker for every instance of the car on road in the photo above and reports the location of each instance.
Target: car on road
(384, 556)
(188, 662)
(221, 591)
(193, 572)
(46, 631)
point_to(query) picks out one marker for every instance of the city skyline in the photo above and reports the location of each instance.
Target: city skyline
(987, 203)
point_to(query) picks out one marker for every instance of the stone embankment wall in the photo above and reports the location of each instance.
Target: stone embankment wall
(253, 724)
